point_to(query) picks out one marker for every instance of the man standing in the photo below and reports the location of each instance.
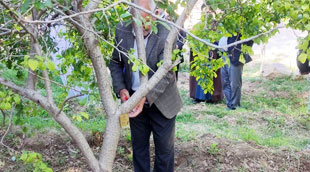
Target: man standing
(159, 107)
(232, 74)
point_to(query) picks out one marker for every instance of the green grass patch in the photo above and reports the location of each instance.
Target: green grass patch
(185, 97)
(186, 117)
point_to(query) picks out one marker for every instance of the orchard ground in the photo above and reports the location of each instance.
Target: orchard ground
(270, 132)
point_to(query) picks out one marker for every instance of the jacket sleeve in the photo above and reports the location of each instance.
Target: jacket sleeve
(161, 86)
(116, 67)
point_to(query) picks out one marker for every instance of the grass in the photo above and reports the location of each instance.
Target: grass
(273, 115)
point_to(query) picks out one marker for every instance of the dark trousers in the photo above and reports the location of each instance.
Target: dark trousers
(152, 120)
(232, 83)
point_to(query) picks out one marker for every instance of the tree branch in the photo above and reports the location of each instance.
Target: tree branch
(93, 4)
(8, 32)
(68, 99)
(140, 42)
(172, 36)
(16, 18)
(31, 80)
(76, 14)
(158, 18)
(62, 119)
(112, 131)
(49, 92)
(6, 132)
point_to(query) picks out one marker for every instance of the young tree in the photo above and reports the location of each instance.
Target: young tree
(26, 45)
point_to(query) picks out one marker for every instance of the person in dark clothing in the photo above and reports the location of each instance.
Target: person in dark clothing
(232, 73)
(304, 68)
(156, 112)
(197, 93)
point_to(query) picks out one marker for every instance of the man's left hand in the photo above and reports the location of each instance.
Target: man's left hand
(138, 109)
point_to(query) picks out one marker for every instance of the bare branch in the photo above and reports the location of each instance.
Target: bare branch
(93, 4)
(112, 131)
(6, 132)
(8, 32)
(140, 42)
(16, 18)
(49, 93)
(67, 99)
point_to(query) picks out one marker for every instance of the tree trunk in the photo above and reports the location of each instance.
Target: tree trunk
(112, 131)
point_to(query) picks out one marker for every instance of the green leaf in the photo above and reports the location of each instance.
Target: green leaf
(16, 99)
(302, 57)
(51, 65)
(134, 68)
(138, 22)
(78, 118)
(25, 6)
(164, 24)
(159, 63)
(2, 94)
(154, 29)
(5, 106)
(125, 15)
(24, 156)
(85, 115)
(33, 64)
(49, 4)
(145, 69)
(241, 59)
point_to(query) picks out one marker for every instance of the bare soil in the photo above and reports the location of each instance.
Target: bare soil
(193, 156)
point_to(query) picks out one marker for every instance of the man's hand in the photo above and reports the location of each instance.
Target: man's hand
(124, 94)
(138, 109)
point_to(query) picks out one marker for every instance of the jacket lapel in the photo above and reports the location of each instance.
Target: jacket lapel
(150, 45)
(128, 38)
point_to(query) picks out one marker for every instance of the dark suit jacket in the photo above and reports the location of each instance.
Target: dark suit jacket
(165, 94)
(235, 51)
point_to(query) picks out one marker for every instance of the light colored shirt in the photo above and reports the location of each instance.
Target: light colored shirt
(135, 78)
(223, 42)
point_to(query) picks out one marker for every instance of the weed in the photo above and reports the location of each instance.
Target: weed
(185, 117)
(128, 135)
(120, 150)
(248, 134)
(213, 149)
(305, 121)
(185, 134)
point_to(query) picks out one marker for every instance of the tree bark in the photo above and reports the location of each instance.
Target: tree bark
(140, 43)
(62, 119)
(31, 80)
(112, 131)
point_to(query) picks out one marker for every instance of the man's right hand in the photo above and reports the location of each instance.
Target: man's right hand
(124, 94)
